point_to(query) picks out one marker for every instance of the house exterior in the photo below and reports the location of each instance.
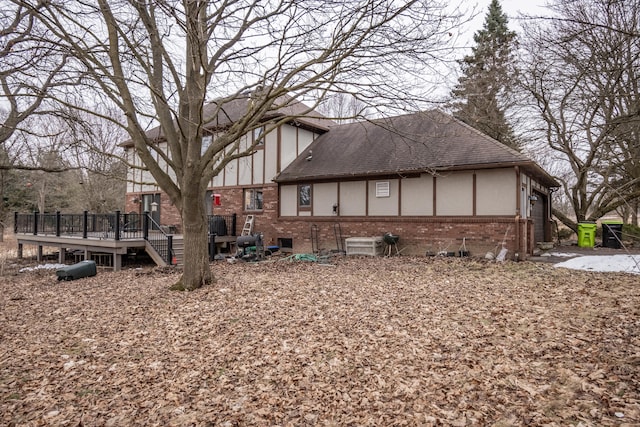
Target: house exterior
(425, 177)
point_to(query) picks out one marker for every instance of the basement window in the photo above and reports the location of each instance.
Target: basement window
(382, 189)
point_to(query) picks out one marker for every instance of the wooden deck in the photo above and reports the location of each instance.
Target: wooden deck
(89, 246)
(111, 235)
(97, 245)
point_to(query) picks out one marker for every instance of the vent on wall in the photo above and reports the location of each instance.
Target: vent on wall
(382, 189)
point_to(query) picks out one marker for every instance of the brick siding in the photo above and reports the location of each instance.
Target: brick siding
(418, 235)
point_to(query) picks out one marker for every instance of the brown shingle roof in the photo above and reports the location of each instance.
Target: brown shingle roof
(420, 142)
(234, 109)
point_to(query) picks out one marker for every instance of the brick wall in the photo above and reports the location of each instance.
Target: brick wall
(418, 235)
(169, 214)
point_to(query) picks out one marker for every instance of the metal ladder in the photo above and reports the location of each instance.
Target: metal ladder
(337, 232)
(247, 229)
(314, 239)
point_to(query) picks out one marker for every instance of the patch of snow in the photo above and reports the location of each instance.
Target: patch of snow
(602, 263)
(42, 267)
(563, 254)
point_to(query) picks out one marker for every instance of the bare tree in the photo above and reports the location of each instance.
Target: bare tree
(96, 152)
(159, 61)
(583, 73)
(30, 67)
(343, 107)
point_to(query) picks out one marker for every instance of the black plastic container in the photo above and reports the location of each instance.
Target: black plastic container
(612, 234)
(77, 271)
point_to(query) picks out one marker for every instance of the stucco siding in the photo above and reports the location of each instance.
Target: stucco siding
(353, 198)
(258, 167)
(324, 197)
(305, 138)
(417, 196)
(231, 173)
(244, 163)
(289, 200)
(496, 192)
(218, 180)
(386, 205)
(288, 145)
(270, 156)
(454, 194)
(131, 172)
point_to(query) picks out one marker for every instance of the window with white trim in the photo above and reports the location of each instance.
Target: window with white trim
(253, 199)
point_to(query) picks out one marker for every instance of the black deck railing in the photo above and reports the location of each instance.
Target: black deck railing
(158, 239)
(115, 226)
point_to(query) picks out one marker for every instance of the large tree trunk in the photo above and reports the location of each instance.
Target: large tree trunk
(565, 219)
(197, 271)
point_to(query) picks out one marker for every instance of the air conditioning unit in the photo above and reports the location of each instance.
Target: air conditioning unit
(372, 246)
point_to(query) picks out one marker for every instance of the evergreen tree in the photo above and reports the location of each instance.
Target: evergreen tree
(479, 96)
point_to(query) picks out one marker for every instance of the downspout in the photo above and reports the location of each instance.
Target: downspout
(518, 204)
(550, 212)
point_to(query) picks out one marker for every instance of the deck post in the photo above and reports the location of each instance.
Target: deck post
(233, 224)
(39, 255)
(117, 262)
(62, 255)
(212, 246)
(58, 225)
(170, 249)
(20, 250)
(145, 225)
(35, 223)
(85, 220)
(117, 226)
(15, 222)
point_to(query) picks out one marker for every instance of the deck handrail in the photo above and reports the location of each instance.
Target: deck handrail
(159, 240)
(116, 226)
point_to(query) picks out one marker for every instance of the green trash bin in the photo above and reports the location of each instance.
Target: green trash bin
(612, 234)
(77, 271)
(587, 234)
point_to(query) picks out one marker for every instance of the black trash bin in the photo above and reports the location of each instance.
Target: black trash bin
(217, 226)
(612, 234)
(77, 271)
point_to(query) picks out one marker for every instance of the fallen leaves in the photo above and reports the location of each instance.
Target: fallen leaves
(372, 341)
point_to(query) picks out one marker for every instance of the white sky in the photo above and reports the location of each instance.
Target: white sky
(513, 8)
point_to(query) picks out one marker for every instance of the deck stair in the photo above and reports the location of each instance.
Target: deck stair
(178, 250)
(155, 256)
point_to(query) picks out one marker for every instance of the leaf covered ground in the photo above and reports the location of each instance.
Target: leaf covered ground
(365, 341)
